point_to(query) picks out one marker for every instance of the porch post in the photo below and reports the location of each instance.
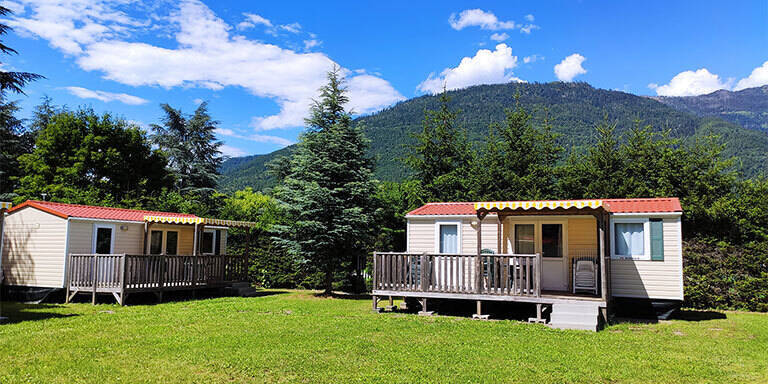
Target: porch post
(605, 260)
(498, 234)
(146, 238)
(478, 259)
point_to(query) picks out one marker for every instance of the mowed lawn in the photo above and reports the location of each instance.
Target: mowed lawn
(295, 336)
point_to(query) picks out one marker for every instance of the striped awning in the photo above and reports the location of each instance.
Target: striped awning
(5, 205)
(537, 205)
(198, 220)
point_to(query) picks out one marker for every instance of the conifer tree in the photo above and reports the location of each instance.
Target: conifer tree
(327, 189)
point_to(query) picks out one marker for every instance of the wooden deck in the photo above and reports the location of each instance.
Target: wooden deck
(493, 277)
(121, 274)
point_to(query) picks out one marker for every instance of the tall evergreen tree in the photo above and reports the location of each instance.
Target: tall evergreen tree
(518, 161)
(596, 173)
(328, 188)
(12, 81)
(191, 146)
(441, 156)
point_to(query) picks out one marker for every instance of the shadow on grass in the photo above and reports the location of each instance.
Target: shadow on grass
(692, 315)
(345, 295)
(20, 312)
(151, 298)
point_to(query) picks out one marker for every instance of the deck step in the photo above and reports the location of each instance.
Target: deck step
(574, 316)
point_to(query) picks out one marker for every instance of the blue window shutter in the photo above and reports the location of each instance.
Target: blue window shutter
(657, 240)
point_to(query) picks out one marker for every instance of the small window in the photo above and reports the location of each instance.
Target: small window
(525, 242)
(171, 242)
(552, 240)
(449, 238)
(103, 244)
(209, 237)
(156, 243)
(629, 240)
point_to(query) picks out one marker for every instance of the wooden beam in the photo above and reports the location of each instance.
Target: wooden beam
(478, 259)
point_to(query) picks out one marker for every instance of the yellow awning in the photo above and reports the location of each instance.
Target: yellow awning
(173, 219)
(537, 205)
(198, 220)
(5, 205)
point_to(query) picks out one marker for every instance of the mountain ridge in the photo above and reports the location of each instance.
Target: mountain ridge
(573, 110)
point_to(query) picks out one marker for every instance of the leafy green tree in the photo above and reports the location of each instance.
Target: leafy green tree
(518, 161)
(190, 144)
(441, 157)
(15, 142)
(328, 190)
(394, 200)
(82, 157)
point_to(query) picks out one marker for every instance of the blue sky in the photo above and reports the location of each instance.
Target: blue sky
(259, 63)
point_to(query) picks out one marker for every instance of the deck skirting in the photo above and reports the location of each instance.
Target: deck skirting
(543, 299)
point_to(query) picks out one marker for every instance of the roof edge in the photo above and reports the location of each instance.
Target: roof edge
(36, 205)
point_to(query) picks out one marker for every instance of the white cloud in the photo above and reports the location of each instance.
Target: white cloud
(478, 18)
(532, 58)
(499, 36)
(206, 55)
(757, 78)
(292, 28)
(255, 137)
(488, 21)
(486, 67)
(106, 97)
(198, 101)
(252, 20)
(570, 67)
(691, 83)
(230, 151)
(309, 44)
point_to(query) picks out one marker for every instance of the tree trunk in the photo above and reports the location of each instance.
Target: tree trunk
(328, 282)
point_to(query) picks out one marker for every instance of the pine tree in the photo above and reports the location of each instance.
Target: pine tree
(441, 156)
(328, 188)
(518, 161)
(192, 149)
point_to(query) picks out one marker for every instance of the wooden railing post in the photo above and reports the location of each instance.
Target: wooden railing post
(162, 276)
(69, 272)
(424, 273)
(95, 277)
(538, 275)
(123, 274)
(375, 271)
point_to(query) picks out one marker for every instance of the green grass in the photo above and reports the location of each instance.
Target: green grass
(297, 337)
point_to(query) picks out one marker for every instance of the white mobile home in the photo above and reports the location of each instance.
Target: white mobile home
(556, 254)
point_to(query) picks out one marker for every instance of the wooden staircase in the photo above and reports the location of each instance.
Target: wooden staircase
(575, 315)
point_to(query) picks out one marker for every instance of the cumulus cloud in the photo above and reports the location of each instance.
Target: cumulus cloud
(757, 78)
(311, 43)
(532, 58)
(691, 83)
(230, 151)
(486, 67)
(486, 20)
(106, 97)
(570, 67)
(207, 55)
(499, 36)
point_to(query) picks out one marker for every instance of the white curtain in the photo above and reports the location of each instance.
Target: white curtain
(449, 239)
(630, 239)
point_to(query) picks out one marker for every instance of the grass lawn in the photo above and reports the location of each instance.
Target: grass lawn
(297, 337)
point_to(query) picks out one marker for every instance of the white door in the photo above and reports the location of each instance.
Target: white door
(547, 238)
(553, 264)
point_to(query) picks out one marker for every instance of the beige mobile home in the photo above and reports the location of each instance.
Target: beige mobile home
(55, 246)
(571, 258)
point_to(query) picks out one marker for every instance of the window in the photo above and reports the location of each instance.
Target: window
(525, 241)
(631, 239)
(449, 238)
(552, 240)
(209, 238)
(156, 242)
(103, 239)
(171, 242)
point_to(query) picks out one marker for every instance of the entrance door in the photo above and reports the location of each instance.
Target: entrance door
(547, 238)
(553, 272)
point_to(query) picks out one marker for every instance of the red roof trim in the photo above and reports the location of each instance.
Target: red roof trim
(636, 205)
(65, 210)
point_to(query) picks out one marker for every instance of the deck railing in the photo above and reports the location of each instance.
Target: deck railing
(120, 274)
(502, 274)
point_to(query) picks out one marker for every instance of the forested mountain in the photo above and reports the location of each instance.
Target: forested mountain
(573, 110)
(748, 107)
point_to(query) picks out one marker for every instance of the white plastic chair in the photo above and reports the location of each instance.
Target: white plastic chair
(585, 276)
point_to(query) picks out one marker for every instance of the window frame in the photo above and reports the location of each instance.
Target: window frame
(162, 242)
(457, 224)
(646, 256)
(96, 227)
(213, 242)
